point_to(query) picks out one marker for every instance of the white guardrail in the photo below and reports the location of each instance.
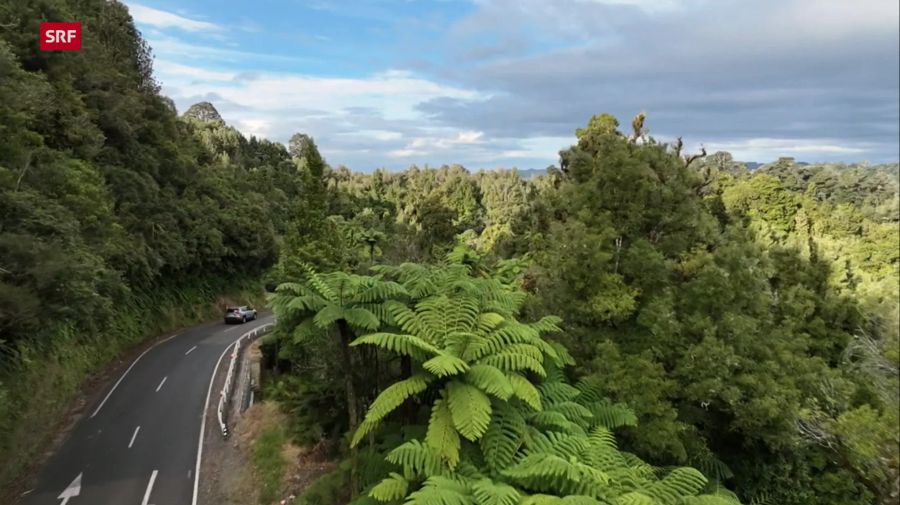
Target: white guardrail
(225, 395)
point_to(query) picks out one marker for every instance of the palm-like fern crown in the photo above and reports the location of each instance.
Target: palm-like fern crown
(505, 427)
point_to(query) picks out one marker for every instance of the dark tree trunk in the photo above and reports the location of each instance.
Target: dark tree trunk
(346, 335)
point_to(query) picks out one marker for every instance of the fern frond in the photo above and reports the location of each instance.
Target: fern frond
(491, 380)
(441, 491)
(488, 492)
(525, 390)
(392, 397)
(512, 361)
(558, 392)
(408, 345)
(445, 365)
(471, 409)
(635, 498)
(392, 488)
(679, 483)
(611, 415)
(361, 318)
(503, 437)
(416, 458)
(442, 436)
(380, 291)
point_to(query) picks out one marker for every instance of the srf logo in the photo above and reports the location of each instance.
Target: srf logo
(60, 36)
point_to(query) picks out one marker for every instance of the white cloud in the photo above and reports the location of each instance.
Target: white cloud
(163, 19)
(165, 67)
(762, 148)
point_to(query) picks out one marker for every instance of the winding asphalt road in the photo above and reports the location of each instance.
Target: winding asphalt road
(140, 443)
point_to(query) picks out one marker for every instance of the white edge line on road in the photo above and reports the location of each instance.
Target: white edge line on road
(203, 423)
(212, 380)
(136, 430)
(161, 383)
(128, 370)
(189, 350)
(149, 488)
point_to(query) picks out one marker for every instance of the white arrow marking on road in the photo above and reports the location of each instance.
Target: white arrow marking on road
(161, 383)
(74, 489)
(149, 488)
(189, 350)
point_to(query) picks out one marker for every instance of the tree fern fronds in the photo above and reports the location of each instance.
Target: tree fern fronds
(558, 392)
(542, 466)
(404, 317)
(394, 487)
(551, 419)
(592, 390)
(442, 436)
(441, 491)
(511, 361)
(641, 467)
(488, 492)
(611, 415)
(389, 399)
(602, 438)
(491, 380)
(503, 437)
(680, 482)
(635, 498)
(487, 321)
(305, 303)
(525, 390)
(408, 345)
(471, 409)
(416, 458)
(709, 500)
(445, 365)
(379, 291)
(573, 411)
(319, 283)
(547, 324)
(305, 331)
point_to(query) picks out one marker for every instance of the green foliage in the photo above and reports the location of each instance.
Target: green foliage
(268, 463)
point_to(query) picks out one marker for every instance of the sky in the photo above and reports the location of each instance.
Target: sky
(505, 83)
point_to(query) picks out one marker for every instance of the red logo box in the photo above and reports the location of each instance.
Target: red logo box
(60, 36)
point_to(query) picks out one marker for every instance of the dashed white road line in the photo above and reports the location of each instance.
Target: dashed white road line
(128, 370)
(149, 488)
(189, 350)
(161, 383)
(136, 430)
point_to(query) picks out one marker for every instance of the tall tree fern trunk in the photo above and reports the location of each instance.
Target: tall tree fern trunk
(409, 406)
(352, 414)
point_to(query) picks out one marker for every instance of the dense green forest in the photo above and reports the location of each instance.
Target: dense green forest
(635, 325)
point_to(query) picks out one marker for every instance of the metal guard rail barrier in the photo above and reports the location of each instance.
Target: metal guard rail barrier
(225, 395)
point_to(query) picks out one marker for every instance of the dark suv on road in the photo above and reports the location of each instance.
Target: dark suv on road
(240, 314)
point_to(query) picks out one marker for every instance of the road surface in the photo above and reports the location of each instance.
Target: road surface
(139, 443)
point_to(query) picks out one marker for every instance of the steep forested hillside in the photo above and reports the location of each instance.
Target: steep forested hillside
(637, 325)
(116, 216)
